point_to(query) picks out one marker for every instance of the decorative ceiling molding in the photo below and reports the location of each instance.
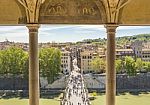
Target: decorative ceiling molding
(122, 12)
(72, 11)
(32, 7)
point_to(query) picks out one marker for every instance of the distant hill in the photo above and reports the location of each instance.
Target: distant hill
(129, 39)
(141, 37)
(120, 40)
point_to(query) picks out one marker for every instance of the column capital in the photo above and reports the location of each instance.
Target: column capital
(33, 28)
(111, 28)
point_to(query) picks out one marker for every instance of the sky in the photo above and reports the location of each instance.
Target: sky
(67, 33)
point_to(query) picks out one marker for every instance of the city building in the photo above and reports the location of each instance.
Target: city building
(121, 53)
(65, 61)
(5, 44)
(86, 58)
(146, 45)
(137, 48)
(141, 50)
(146, 55)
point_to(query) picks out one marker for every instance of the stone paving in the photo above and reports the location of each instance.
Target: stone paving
(75, 92)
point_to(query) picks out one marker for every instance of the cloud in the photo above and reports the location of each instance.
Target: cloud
(71, 27)
(54, 27)
(63, 33)
(84, 32)
(91, 27)
(12, 28)
(131, 27)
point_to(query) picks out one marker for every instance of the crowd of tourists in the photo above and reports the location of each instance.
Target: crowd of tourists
(75, 92)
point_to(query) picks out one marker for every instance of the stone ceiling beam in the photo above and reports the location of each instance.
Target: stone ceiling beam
(32, 9)
(112, 8)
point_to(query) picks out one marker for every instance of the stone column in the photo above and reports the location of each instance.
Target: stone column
(110, 71)
(33, 65)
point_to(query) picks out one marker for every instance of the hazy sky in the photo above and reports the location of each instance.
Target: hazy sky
(67, 33)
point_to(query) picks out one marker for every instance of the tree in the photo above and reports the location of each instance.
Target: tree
(13, 61)
(139, 64)
(130, 66)
(118, 64)
(50, 62)
(3, 63)
(98, 64)
(146, 66)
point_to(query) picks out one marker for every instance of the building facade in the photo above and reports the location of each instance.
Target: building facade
(86, 59)
(65, 61)
(121, 53)
(141, 50)
(146, 55)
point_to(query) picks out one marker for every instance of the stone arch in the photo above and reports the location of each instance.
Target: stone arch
(135, 16)
(13, 12)
(102, 10)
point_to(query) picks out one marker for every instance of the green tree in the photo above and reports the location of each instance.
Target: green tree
(3, 63)
(146, 66)
(139, 64)
(98, 64)
(130, 66)
(50, 62)
(13, 61)
(118, 65)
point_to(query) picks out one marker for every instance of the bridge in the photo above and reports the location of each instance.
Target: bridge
(75, 92)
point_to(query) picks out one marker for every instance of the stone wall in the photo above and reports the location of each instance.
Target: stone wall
(13, 83)
(92, 81)
(124, 82)
(138, 82)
